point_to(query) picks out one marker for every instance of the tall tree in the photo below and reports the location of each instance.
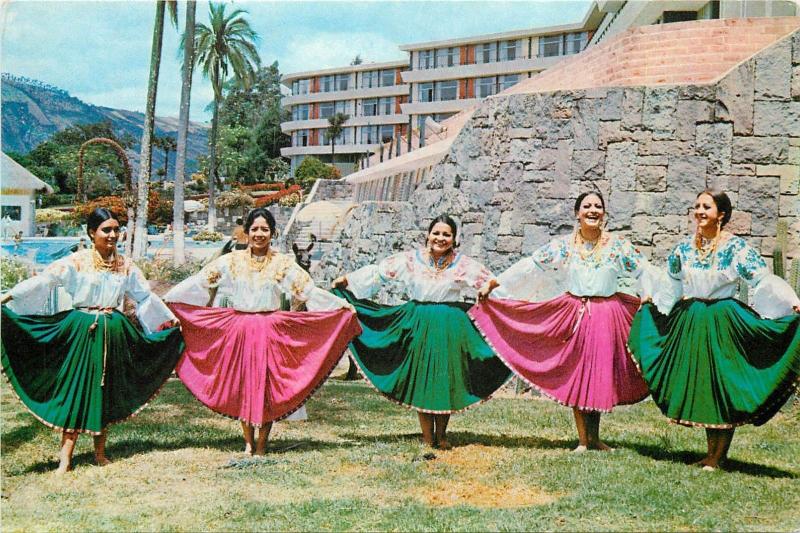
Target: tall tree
(139, 235)
(167, 144)
(187, 44)
(226, 44)
(335, 128)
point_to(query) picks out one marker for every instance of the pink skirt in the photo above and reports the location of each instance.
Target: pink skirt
(572, 349)
(259, 367)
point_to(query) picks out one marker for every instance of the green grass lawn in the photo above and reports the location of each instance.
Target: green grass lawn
(357, 465)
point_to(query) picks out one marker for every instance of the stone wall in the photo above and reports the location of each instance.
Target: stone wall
(513, 173)
(333, 190)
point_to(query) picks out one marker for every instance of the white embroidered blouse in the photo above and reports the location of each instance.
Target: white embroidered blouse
(239, 281)
(420, 280)
(717, 276)
(584, 274)
(86, 286)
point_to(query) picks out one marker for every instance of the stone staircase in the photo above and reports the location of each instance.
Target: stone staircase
(324, 226)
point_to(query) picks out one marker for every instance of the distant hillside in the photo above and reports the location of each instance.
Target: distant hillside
(33, 111)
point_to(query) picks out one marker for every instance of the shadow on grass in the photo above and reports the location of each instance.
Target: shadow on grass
(466, 438)
(21, 435)
(126, 447)
(731, 465)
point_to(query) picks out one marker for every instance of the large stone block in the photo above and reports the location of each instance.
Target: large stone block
(689, 113)
(796, 82)
(696, 92)
(687, 173)
(777, 118)
(632, 102)
(659, 111)
(509, 176)
(773, 72)
(789, 205)
(670, 148)
(509, 244)
(533, 237)
(611, 105)
(587, 164)
(789, 176)
(620, 165)
(509, 224)
(651, 178)
(585, 124)
(714, 142)
(735, 98)
(761, 150)
(759, 197)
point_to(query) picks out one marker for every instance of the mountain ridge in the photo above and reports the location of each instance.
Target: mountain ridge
(32, 111)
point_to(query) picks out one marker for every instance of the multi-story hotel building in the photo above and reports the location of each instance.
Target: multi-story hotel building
(446, 77)
(370, 94)
(391, 102)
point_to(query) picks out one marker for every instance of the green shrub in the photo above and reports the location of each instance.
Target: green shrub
(161, 269)
(12, 271)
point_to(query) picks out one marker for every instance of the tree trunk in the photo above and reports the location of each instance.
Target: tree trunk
(140, 236)
(212, 178)
(178, 232)
(333, 156)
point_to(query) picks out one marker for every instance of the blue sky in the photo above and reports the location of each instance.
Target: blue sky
(99, 51)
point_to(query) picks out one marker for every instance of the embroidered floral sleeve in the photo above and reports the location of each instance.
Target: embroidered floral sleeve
(749, 264)
(674, 263)
(197, 288)
(552, 254)
(474, 273)
(520, 280)
(367, 281)
(150, 310)
(629, 258)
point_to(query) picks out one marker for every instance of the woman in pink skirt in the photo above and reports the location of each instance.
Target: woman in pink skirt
(572, 348)
(245, 358)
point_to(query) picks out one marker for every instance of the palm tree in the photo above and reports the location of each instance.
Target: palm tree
(187, 45)
(227, 43)
(167, 144)
(335, 128)
(139, 235)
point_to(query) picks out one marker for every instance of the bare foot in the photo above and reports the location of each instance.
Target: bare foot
(63, 468)
(709, 468)
(444, 445)
(260, 451)
(428, 442)
(101, 460)
(580, 449)
(248, 448)
(601, 446)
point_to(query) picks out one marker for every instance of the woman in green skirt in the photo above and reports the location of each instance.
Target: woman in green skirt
(713, 361)
(425, 354)
(85, 367)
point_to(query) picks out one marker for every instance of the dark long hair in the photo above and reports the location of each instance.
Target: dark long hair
(97, 217)
(260, 212)
(723, 203)
(444, 218)
(583, 196)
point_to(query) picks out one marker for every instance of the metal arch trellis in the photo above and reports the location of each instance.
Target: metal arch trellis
(129, 198)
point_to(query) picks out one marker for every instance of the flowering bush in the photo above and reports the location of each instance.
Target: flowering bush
(49, 216)
(263, 187)
(276, 196)
(206, 235)
(12, 271)
(161, 269)
(290, 200)
(232, 199)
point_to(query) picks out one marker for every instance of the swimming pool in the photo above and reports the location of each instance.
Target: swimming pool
(42, 251)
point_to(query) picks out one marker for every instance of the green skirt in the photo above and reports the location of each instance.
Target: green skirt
(426, 356)
(716, 364)
(74, 376)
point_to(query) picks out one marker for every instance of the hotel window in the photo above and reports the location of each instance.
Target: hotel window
(425, 59)
(426, 92)
(343, 138)
(369, 107)
(446, 57)
(510, 50)
(342, 82)
(370, 79)
(486, 53)
(300, 112)
(386, 106)
(301, 138)
(369, 134)
(387, 78)
(447, 90)
(550, 46)
(486, 86)
(326, 84)
(386, 132)
(301, 86)
(342, 106)
(508, 80)
(575, 42)
(326, 109)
